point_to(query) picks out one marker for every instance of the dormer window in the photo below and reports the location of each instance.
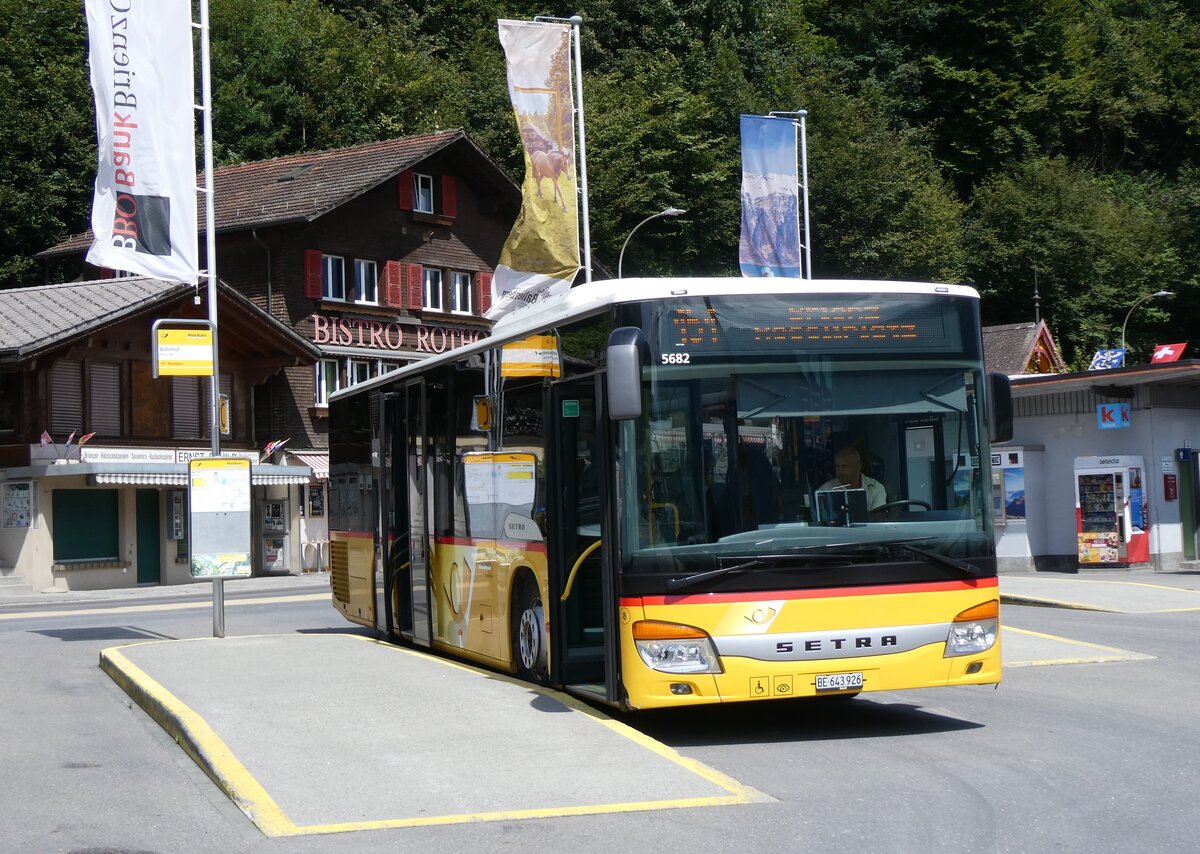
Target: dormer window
(422, 193)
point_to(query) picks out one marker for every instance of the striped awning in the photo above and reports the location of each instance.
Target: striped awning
(319, 463)
(265, 475)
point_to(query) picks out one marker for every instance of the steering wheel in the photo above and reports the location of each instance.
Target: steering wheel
(901, 503)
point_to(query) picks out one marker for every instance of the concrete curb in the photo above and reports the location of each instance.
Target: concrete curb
(1012, 599)
(199, 741)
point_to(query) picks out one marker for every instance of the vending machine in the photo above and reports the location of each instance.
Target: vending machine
(1110, 511)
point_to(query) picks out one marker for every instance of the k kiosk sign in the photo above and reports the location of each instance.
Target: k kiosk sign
(1112, 416)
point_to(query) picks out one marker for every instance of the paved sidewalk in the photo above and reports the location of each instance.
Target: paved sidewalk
(1118, 591)
(309, 582)
(384, 737)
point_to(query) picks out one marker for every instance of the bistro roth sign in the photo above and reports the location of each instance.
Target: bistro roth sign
(350, 332)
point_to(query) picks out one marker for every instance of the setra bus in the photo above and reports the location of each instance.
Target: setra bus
(629, 492)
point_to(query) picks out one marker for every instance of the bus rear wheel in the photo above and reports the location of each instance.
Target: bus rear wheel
(529, 633)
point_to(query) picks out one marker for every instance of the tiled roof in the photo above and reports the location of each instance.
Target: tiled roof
(302, 187)
(1008, 348)
(34, 319)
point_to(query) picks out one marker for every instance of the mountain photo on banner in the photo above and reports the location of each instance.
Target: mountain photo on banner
(541, 256)
(770, 242)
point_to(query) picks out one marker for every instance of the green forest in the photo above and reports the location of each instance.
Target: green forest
(1010, 144)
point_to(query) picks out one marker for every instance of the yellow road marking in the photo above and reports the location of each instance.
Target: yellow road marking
(166, 606)
(1118, 654)
(211, 753)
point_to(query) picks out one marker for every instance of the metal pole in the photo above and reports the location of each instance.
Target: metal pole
(804, 180)
(576, 23)
(210, 236)
(1135, 305)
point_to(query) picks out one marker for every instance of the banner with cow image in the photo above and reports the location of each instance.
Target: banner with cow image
(144, 205)
(541, 256)
(770, 242)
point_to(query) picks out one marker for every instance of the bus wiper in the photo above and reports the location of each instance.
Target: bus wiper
(813, 561)
(944, 560)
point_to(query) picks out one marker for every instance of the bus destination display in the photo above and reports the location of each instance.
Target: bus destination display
(876, 327)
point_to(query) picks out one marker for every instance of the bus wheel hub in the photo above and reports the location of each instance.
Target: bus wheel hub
(531, 637)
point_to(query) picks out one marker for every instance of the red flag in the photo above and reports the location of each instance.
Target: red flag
(83, 439)
(1167, 352)
(45, 440)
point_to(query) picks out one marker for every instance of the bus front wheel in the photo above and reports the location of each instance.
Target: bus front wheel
(529, 633)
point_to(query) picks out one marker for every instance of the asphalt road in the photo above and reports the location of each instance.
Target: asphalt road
(1088, 757)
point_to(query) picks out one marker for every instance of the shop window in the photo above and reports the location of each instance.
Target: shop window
(328, 380)
(86, 525)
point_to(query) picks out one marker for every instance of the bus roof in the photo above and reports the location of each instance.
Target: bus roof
(594, 297)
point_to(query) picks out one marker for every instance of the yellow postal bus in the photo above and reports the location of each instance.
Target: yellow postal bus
(667, 492)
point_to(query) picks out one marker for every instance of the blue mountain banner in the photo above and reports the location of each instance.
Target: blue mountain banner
(770, 242)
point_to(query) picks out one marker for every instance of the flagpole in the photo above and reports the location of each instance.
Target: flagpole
(802, 115)
(576, 23)
(804, 181)
(210, 239)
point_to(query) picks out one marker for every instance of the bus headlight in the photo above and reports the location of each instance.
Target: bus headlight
(974, 630)
(675, 648)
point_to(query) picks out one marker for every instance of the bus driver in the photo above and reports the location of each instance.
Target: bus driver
(848, 474)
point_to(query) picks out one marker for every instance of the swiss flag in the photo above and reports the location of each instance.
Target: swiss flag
(1168, 352)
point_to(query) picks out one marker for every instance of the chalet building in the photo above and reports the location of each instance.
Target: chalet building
(94, 448)
(1017, 349)
(377, 255)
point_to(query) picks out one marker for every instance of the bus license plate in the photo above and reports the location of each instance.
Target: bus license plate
(839, 681)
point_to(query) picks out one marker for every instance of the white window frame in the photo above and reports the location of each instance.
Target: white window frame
(461, 293)
(323, 378)
(333, 266)
(432, 289)
(366, 281)
(422, 193)
(356, 365)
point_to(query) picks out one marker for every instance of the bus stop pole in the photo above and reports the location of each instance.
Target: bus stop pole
(210, 236)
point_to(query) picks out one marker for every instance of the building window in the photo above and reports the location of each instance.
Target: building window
(360, 371)
(104, 398)
(86, 525)
(423, 193)
(328, 380)
(333, 277)
(460, 293)
(366, 281)
(433, 289)
(66, 396)
(9, 383)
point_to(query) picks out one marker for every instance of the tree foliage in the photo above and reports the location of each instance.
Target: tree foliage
(986, 139)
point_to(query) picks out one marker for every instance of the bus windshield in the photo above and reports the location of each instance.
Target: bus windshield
(812, 441)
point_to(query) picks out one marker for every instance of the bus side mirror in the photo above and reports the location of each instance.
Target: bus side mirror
(1000, 413)
(625, 373)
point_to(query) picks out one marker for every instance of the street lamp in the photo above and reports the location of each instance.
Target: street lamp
(665, 212)
(1136, 304)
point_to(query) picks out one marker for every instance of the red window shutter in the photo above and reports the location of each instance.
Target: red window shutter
(107, 273)
(484, 281)
(312, 274)
(449, 196)
(393, 284)
(404, 187)
(415, 275)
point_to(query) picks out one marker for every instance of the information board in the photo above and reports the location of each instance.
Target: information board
(219, 517)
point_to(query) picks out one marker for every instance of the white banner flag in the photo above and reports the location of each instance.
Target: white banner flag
(144, 207)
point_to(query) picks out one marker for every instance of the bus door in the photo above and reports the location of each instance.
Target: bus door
(393, 510)
(417, 477)
(582, 589)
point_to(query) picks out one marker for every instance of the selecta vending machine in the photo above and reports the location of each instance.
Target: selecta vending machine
(1110, 511)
